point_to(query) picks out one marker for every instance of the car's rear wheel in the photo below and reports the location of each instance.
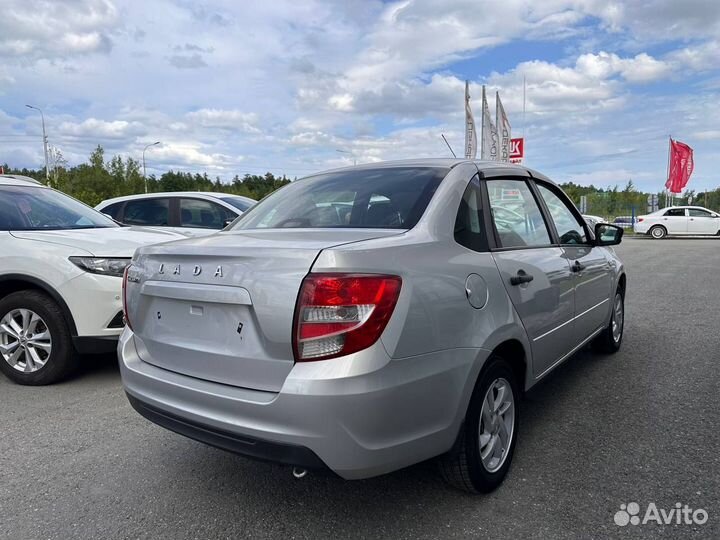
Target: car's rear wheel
(658, 232)
(35, 343)
(610, 340)
(482, 454)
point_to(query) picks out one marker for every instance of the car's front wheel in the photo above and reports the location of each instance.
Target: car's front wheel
(483, 452)
(610, 340)
(35, 343)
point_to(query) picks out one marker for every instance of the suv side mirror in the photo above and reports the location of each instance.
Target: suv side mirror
(608, 235)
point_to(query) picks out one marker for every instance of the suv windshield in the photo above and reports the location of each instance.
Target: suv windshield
(383, 198)
(41, 209)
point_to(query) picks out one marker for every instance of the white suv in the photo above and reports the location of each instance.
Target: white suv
(60, 279)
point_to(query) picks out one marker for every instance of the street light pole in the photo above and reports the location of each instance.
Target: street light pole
(349, 153)
(143, 159)
(45, 147)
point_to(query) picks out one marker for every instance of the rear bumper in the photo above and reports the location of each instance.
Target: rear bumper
(286, 454)
(360, 416)
(640, 228)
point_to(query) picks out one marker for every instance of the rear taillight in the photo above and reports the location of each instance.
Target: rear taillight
(640, 220)
(339, 314)
(124, 297)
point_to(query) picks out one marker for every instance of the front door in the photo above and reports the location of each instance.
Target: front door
(536, 273)
(592, 276)
(702, 222)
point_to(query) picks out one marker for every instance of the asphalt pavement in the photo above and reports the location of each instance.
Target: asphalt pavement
(640, 426)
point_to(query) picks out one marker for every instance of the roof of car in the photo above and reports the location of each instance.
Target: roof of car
(18, 180)
(212, 194)
(448, 163)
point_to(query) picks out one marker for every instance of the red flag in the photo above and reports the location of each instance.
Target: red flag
(681, 166)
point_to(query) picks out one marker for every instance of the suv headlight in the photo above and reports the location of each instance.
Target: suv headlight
(102, 265)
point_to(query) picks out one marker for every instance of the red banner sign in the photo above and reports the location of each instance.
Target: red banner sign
(681, 166)
(517, 150)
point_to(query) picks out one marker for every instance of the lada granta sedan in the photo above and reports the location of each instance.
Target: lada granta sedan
(365, 319)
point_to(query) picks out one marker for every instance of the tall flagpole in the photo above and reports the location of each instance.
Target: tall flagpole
(482, 126)
(667, 174)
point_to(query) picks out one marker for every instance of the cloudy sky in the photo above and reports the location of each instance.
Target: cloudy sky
(232, 87)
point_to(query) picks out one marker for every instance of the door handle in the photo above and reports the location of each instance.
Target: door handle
(577, 266)
(521, 278)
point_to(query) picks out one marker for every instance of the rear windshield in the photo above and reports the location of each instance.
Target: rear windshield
(384, 198)
(237, 202)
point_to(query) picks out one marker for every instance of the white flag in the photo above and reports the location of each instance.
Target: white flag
(503, 130)
(470, 133)
(489, 146)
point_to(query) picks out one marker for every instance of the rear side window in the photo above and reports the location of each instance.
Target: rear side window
(203, 214)
(469, 227)
(383, 198)
(151, 212)
(516, 215)
(112, 210)
(676, 212)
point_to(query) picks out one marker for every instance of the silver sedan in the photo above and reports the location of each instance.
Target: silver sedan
(365, 319)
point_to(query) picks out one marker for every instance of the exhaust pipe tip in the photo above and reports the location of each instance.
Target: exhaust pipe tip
(298, 472)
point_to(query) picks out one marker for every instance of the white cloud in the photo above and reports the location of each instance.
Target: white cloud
(92, 128)
(232, 119)
(34, 29)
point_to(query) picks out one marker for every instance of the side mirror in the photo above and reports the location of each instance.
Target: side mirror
(608, 235)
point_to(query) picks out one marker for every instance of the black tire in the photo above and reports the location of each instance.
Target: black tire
(62, 359)
(658, 232)
(606, 342)
(462, 467)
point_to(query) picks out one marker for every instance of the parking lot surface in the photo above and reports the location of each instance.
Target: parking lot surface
(640, 426)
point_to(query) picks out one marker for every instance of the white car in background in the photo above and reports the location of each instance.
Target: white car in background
(679, 221)
(191, 213)
(593, 220)
(60, 279)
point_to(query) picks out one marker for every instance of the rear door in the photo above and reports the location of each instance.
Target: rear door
(675, 221)
(536, 273)
(147, 212)
(702, 222)
(592, 278)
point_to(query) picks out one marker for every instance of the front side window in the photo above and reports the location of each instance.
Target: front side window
(148, 212)
(569, 228)
(382, 198)
(203, 214)
(675, 212)
(516, 215)
(696, 212)
(42, 209)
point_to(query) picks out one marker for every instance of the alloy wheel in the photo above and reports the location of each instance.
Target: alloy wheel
(25, 340)
(618, 318)
(497, 424)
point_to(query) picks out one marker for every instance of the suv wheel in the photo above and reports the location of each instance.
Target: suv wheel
(658, 232)
(35, 343)
(483, 452)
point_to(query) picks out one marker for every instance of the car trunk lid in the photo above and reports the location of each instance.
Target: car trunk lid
(221, 307)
